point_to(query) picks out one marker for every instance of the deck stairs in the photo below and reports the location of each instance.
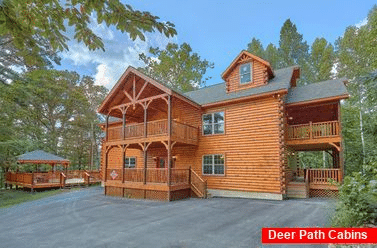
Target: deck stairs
(198, 185)
(298, 188)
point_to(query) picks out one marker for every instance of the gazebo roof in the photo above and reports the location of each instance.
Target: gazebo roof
(41, 157)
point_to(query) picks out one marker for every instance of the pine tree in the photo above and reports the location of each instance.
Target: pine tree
(255, 47)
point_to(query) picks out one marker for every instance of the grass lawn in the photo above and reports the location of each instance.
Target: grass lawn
(12, 197)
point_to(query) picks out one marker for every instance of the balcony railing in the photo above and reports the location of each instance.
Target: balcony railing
(313, 130)
(154, 128)
(153, 175)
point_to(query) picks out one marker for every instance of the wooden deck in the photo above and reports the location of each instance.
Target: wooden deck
(315, 183)
(153, 183)
(314, 136)
(156, 131)
(56, 179)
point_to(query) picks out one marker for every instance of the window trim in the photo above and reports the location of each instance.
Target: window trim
(251, 73)
(213, 165)
(124, 165)
(212, 113)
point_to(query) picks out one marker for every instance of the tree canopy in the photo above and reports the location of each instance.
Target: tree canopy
(176, 66)
(35, 31)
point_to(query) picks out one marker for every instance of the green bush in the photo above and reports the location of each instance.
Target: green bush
(358, 199)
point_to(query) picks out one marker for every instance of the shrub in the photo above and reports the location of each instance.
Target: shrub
(357, 204)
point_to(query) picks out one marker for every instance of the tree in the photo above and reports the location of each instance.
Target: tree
(255, 47)
(55, 110)
(321, 59)
(272, 55)
(27, 25)
(292, 48)
(356, 59)
(176, 66)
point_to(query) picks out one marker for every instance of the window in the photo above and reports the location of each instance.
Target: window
(213, 123)
(245, 73)
(129, 162)
(213, 164)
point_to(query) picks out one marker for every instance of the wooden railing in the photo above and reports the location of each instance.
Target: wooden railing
(180, 176)
(185, 132)
(154, 128)
(324, 176)
(198, 185)
(154, 175)
(313, 130)
(51, 179)
(157, 175)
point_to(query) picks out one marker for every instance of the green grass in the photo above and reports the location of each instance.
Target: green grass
(13, 197)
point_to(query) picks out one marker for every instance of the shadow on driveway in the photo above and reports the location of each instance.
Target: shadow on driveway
(87, 218)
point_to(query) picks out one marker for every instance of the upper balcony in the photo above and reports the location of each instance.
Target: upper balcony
(313, 127)
(310, 131)
(155, 131)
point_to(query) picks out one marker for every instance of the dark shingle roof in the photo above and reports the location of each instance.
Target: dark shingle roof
(314, 91)
(40, 155)
(217, 93)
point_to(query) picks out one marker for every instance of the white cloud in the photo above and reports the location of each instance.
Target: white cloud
(362, 23)
(120, 53)
(102, 77)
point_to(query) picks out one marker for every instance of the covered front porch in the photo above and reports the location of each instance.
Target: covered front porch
(314, 128)
(155, 123)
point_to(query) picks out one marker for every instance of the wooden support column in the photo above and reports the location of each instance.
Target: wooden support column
(145, 143)
(123, 160)
(106, 164)
(169, 143)
(107, 127)
(124, 125)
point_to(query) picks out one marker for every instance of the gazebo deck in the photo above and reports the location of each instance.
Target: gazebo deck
(55, 179)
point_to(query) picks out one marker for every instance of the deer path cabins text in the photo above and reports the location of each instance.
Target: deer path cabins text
(239, 138)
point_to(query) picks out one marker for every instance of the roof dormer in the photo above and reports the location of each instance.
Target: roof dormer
(247, 71)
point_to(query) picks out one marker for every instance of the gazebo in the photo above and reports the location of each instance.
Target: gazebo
(42, 157)
(51, 179)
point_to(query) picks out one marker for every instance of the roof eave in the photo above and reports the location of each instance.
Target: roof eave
(244, 98)
(326, 99)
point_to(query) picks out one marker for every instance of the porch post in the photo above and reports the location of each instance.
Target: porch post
(124, 125)
(107, 127)
(123, 160)
(169, 142)
(145, 143)
(106, 164)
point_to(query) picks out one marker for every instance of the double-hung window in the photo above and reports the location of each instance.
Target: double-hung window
(245, 73)
(129, 162)
(213, 123)
(213, 164)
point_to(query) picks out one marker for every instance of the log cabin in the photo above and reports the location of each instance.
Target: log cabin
(239, 138)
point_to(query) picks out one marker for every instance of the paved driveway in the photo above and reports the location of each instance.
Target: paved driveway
(86, 218)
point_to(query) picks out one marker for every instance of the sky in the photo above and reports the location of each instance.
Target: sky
(216, 30)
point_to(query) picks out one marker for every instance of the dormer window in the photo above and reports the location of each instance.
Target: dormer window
(245, 73)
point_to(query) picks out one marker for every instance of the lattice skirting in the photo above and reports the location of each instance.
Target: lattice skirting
(325, 193)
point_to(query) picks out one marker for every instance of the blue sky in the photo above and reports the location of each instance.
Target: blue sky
(216, 30)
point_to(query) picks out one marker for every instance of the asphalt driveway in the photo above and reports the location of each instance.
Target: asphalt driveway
(87, 218)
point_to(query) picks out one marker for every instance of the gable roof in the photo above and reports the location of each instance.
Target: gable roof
(40, 156)
(326, 89)
(150, 80)
(217, 93)
(244, 52)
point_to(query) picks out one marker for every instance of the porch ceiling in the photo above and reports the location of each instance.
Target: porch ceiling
(314, 113)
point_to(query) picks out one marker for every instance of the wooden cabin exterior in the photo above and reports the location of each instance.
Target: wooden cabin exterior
(238, 138)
